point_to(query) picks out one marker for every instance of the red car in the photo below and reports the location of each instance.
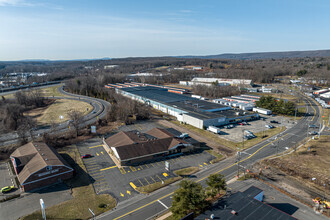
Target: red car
(240, 123)
(86, 156)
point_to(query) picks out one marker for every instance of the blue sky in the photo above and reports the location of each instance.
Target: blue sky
(70, 29)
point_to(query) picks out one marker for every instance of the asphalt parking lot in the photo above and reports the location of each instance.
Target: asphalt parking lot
(118, 182)
(7, 179)
(235, 134)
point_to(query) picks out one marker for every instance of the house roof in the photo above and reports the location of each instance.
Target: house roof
(246, 207)
(33, 157)
(133, 144)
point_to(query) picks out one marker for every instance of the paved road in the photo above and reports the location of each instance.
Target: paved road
(146, 206)
(99, 111)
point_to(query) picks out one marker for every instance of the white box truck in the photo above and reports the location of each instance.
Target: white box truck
(214, 129)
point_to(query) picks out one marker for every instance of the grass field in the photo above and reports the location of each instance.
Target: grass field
(60, 107)
(310, 161)
(221, 141)
(46, 92)
(83, 193)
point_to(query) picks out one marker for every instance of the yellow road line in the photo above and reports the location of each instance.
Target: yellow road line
(146, 165)
(140, 182)
(159, 178)
(97, 146)
(152, 164)
(152, 179)
(132, 168)
(122, 170)
(141, 167)
(146, 180)
(132, 185)
(108, 168)
(156, 200)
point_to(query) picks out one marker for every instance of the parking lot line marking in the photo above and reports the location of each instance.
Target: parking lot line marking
(152, 165)
(152, 179)
(141, 167)
(140, 182)
(122, 170)
(122, 195)
(128, 192)
(162, 204)
(132, 168)
(102, 152)
(205, 163)
(132, 185)
(159, 178)
(146, 165)
(97, 154)
(158, 164)
(165, 174)
(107, 168)
(97, 146)
(146, 180)
(200, 165)
(92, 166)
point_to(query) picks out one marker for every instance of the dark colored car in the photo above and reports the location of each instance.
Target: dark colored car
(273, 121)
(86, 156)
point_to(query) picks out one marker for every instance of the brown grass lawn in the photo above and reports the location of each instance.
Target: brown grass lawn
(51, 91)
(52, 112)
(306, 164)
(82, 191)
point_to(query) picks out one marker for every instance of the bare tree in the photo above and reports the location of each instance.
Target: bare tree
(76, 118)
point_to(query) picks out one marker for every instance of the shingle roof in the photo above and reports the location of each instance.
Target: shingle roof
(133, 144)
(35, 156)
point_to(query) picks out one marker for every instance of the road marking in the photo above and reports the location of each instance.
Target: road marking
(146, 180)
(102, 152)
(163, 204)
(152, 179)
(122, 170)
(205, 163)
(245, 153)
(165, 174)
(169, 194)
(132, 185)
(141, 167)
(140, 182)
(132, 168)
(152, 164)
(159, 178)
(122, 195)
(97, 146)
(108, 168)
(97, 154)
(200, 165)
(128, 192)
(146, 165)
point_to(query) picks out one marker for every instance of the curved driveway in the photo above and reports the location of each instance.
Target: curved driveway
(100, 108)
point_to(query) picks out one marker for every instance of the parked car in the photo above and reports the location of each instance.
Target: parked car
(86, 156)
(269, 126)
(273, 121)
(7, 189)
(229, 126)
(313, 133)
(244, 123)
(313, 126)
(240, 123)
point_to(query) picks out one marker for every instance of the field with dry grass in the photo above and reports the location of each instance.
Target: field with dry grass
(51, 113)
(310, 161)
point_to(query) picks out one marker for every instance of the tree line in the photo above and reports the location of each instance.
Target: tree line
(277, 106)
(215, 91)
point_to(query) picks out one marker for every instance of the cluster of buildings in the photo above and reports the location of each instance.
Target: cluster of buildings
(10, 79)
(322, 96)
(187, 109)
(219, 81)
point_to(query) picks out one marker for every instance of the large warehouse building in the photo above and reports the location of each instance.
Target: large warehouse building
(186, 109)
(38, 165)
(133, 147)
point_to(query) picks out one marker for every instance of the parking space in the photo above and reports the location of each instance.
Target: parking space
(7, 179)
(120, 182)
(235, 134)
(142, 126)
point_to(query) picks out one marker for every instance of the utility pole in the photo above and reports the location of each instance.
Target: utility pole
(239, 154)
(295, 115)
(307, 130)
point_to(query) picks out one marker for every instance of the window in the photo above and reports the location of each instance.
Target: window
(49, 168)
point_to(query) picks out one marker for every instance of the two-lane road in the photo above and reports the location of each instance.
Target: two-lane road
(144, 207)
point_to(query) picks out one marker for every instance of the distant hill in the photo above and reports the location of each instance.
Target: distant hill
(265, 55)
